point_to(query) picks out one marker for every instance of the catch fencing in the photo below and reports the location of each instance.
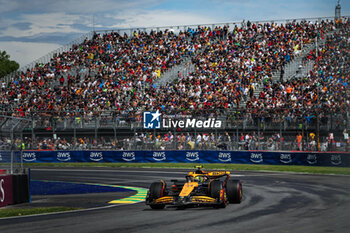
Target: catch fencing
(11, 162)
(241, 130)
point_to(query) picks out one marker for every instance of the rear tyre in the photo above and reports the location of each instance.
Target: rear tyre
(156, 190)
(234, 191)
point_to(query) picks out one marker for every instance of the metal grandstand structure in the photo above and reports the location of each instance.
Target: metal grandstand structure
(113, 131)
(126, 128)
(11, 143)
(175, 28)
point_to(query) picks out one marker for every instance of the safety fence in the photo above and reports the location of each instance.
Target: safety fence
(240, 130)
(11, 162)
(234, 157)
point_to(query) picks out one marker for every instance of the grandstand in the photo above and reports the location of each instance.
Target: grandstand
(267, 81)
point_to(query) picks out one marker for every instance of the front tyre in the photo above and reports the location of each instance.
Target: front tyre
(217, 191)
(234, 191)
(156, 190)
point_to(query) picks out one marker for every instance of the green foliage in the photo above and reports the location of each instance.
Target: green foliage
(220, 166)
(6, 65)
(30, 211)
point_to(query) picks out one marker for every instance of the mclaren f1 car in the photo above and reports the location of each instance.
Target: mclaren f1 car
(199, 188)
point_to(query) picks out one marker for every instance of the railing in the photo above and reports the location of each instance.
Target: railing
(113, 122)
(241, 24)
(175, 28)
(11, 161)
(47, 58)
(240, 130)
(268, 142)
(298, 66)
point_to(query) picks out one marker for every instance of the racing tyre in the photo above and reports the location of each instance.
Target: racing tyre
(156, 190)
(216, 188)
(234, 191)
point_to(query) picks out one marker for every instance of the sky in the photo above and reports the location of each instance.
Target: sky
(30, 29)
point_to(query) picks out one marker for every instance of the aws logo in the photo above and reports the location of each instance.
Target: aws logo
(256, 157)
(336, 159)
(63, 156)
(224, 157)
(286, 158)
(96, 156)
(29, 156)
(159, 156)
(311, 159)
(128, 156)
(192, 156)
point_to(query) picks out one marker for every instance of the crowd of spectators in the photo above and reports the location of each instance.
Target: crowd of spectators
(115, 72)
(325, 87)
(103, 73)
(229, 70)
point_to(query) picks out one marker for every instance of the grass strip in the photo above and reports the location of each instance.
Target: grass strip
(11, 212)
(234, 167)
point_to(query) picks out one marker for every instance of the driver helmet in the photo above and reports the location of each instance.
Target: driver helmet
(199, 179)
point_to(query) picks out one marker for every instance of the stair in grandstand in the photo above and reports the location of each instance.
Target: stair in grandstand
(296, 68)
(304, 69)
(174, 73)
(181, 70)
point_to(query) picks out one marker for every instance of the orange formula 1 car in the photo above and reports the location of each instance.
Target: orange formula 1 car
(200, 188)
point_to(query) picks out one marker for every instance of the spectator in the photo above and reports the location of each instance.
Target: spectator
(299, 141)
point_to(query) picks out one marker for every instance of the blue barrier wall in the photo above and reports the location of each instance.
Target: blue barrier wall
(239, 157)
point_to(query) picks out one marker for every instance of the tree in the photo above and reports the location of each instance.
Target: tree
(6, 65)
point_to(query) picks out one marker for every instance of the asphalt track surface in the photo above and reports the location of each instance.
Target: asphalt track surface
(272, 202)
